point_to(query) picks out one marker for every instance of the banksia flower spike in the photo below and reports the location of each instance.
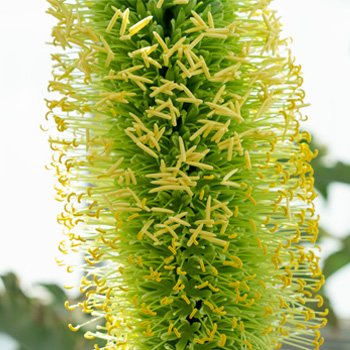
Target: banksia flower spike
(186, 180)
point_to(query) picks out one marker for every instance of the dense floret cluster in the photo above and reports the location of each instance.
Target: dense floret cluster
(186, 180)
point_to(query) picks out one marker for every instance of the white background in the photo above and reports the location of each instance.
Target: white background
(29, 232)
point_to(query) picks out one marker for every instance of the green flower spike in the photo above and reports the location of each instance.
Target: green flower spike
(186, 180)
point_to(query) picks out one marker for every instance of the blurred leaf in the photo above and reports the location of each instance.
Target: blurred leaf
(324, 175)
(11, 284)
(56, 292)
(36, 325)
(337, 260)
(346, 243)
(322, 233)
(58, 298)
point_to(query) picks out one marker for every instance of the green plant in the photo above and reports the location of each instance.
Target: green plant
(186, 181)
(36, 324)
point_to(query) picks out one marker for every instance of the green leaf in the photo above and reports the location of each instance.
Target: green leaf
(56, 292)
(36, 325)
(324, 175)
(336, 261)
(11, 284)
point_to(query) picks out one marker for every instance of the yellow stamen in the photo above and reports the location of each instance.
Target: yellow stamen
(193, 313)
(139, 25)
